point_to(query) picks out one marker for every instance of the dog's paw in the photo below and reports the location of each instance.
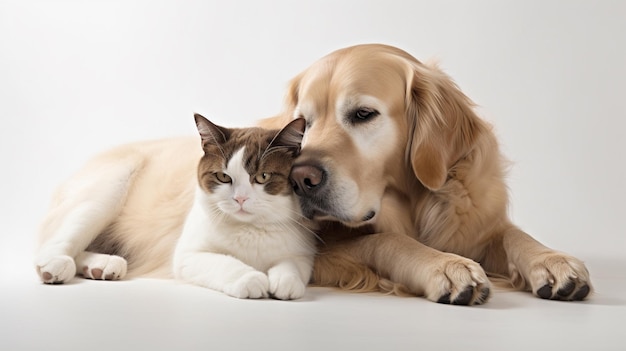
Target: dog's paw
(101, 266)
(286, 286)
(252, 285)
(557, 276)
(56, 269)
(459, 281)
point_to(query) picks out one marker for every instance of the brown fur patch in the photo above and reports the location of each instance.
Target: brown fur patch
(259, 157)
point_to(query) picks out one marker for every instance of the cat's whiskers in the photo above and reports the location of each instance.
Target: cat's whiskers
(216, 214)
(295, 220)
(291, 227)
(282, 207)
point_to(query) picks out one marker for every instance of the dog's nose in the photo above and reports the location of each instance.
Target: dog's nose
(307, 179)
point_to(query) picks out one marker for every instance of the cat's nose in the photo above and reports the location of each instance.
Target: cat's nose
(307, 179)
(240, 199)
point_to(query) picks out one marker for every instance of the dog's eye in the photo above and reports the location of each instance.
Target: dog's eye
(363, 114)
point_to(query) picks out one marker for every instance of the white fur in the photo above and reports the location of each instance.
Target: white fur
(83, 211)
(244, 242)
(110, 267)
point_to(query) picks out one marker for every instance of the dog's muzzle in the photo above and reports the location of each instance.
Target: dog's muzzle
(318, 197)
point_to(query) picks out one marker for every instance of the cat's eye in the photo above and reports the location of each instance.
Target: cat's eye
(262, 178)
(223, 177)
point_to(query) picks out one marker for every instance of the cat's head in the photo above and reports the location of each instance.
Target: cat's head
(244, 172)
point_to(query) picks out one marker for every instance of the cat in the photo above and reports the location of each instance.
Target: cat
(117, 218)
(243, 236)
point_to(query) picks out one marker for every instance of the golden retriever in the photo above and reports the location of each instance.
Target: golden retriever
(405, 181)
(408, 183)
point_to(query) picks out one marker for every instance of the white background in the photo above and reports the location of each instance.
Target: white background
(77, 77)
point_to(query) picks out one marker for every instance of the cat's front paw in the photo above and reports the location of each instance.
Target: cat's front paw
(252, 285)
(286, 286)
(56, 270)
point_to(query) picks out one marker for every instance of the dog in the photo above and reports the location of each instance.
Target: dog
(408, 184)
(404, 180)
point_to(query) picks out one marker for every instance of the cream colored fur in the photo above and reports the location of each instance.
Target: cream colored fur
(130, 201)
(427, 166)
(432, 172)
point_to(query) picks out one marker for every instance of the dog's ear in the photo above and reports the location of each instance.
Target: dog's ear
(442, 124)
(292, 96)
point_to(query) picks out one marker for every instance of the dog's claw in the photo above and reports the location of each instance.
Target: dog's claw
(545, 292)
(445, 299)
(465, 297)
(582, 293)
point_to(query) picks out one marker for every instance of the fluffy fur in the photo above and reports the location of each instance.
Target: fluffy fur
(408, 183)
(243, 235)
(403, 178)
(126, 205)
(125, 210)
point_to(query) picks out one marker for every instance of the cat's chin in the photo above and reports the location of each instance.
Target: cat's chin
(248, 217)
(243, 216)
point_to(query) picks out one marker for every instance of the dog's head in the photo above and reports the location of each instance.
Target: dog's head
(377, 119)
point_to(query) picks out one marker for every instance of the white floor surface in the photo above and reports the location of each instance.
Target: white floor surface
(148, 314)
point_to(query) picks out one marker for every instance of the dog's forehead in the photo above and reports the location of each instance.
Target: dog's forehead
(331, 83)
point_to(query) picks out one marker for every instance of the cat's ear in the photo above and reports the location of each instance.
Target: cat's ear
(211, 134)
(290, 136)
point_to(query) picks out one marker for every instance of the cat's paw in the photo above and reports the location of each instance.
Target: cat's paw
(286, 286)
(56, 270)
(101, 266)
(252, 285)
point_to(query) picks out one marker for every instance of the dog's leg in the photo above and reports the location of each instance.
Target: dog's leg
(549, 274)
(86, 206)
(441, 277)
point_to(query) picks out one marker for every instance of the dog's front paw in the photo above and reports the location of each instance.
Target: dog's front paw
(252, 285)
(459, 281)
(557, 276)
(286, 286)
(56, 269)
